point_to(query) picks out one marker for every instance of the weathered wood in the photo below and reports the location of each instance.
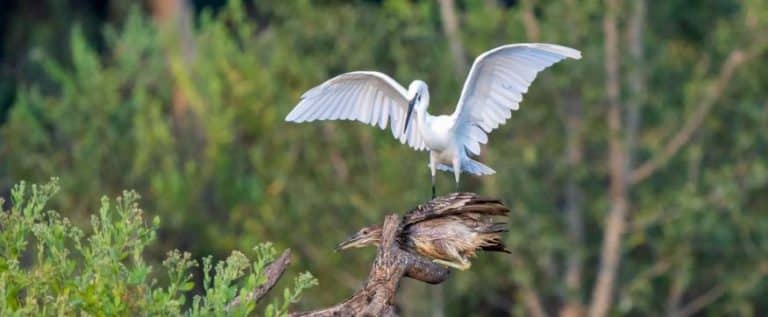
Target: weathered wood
(376, 297)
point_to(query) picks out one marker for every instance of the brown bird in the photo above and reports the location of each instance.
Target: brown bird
(448, 229)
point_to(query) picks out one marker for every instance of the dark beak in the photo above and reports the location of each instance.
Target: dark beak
(408, 116)
(346, 243)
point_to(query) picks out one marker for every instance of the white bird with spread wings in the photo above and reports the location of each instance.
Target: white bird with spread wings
(493, 89)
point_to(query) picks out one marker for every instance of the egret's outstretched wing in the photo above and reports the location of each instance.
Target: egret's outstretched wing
(369, 97)
(496, 84)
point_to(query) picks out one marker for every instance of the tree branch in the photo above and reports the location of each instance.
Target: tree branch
(702, 301)
(530, 297)
(273, 272)
(376, 298)
(530, 23)
(450, 24)
(734, 60)
(602, 294)
(573, 208)
(636, 77)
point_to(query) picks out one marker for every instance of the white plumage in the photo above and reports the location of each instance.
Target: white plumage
(493, 89)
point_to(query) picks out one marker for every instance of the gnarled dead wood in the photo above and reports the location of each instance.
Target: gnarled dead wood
(376, 297)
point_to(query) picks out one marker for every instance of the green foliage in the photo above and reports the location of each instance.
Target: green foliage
(50, 267)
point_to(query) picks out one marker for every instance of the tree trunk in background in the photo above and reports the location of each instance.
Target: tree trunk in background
(450, 24)
(636, 76)
(573, 305)
(573, 202)
(610, 256)
(174, 19)
(530, 24)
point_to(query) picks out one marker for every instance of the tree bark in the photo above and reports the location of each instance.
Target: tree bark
(610, 256)
(376, 298)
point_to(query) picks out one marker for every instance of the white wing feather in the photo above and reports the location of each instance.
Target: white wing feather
(369, 97)
(495, 87)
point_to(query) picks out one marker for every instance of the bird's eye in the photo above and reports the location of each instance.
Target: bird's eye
(364, 231)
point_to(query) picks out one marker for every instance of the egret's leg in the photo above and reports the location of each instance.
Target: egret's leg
(457, 171)
(433, 170)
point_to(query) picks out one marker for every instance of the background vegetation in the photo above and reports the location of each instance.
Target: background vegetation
(637, 175)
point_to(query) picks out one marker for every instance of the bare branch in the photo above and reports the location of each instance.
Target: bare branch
(676, 291)
(573, 305)
(450, 24)
(530, 297)
(636, 76)
(273, 272)
(391, 264)
(573, 211)
(702, 301)
(602, 294)
(530, 23)
(712, 94)
(714, 293)
(532, 303)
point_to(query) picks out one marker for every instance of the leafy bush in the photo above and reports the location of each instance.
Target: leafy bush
(51, 267)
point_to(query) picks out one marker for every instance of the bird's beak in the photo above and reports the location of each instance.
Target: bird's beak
(410, 110)
(346, 244)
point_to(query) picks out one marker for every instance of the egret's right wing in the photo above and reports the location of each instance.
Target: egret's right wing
(369, 97)
(496, 84)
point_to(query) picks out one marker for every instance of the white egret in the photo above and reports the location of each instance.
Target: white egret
(494, 87)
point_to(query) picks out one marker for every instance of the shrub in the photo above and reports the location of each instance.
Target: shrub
(51, 267)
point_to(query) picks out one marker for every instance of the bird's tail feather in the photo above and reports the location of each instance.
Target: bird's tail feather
(474, 167)
(496, 227)
(500, 247)
(490, 235)
(469, 166)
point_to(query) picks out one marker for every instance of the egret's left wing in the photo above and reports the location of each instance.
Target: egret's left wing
(496, 84)
(369, 97)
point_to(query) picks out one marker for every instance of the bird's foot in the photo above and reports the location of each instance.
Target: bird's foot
(461, 266)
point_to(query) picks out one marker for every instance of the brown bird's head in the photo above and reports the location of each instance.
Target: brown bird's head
(366, 236)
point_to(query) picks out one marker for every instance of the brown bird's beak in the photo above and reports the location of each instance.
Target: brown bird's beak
(352, 242)
(344, 244)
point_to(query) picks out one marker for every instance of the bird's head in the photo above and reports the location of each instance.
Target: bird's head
(364, 237)
(418, 98)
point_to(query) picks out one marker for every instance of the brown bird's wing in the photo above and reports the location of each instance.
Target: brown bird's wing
(499, 247)
(455, 204)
